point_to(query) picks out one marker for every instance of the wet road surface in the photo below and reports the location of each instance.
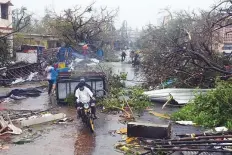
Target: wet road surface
(74, 138)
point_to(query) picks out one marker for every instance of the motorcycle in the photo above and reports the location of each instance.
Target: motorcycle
(86, 115)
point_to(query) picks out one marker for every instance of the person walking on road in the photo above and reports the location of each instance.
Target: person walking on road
(123, 55)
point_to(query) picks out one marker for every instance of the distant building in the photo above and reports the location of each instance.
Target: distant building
(6, 21)
(48, 41)
(226, 34)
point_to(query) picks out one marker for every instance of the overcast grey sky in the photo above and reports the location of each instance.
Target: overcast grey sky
(137, 12)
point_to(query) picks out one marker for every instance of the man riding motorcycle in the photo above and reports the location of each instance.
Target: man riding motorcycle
(82, 81)
(84, 95)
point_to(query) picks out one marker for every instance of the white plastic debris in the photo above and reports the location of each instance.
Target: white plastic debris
(95, 60)
(220, 129)
(31, 76)
(19, 80)
(77, 60)
(185, 122)
(17, 97)
(91, 64)
(8, 100)
(71, 66)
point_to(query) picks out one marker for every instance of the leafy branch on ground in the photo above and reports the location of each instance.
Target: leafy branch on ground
(118, 97)
(212, 109)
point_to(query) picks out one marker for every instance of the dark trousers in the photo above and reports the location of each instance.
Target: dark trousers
(50, 85)
(123, 58)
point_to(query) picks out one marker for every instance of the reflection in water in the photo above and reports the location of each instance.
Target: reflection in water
(85, 142)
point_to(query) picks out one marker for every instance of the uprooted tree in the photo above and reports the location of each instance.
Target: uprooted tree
(187, 47)
(84, 24)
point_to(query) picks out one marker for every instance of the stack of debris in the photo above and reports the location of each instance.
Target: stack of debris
(144, 139)
(19, 72)
(207, 143)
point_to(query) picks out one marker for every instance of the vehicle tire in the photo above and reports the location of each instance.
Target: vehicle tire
(91, 124)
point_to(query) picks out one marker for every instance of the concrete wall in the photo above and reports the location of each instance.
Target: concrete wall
(6, 23)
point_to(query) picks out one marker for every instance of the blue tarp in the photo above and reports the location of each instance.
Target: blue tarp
(77, 55)
(71, 52)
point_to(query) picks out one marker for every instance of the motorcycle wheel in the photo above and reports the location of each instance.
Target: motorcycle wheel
(91, 124)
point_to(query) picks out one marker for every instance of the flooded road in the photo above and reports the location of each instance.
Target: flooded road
(133, 74)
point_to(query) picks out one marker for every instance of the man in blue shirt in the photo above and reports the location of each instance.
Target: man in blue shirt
(51, 77)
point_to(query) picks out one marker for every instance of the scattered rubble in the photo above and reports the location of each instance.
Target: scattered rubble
(8, 127)
(207, 143)
(4, 147)
(19, 73)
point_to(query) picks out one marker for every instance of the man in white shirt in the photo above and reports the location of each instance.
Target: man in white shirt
(84, 95)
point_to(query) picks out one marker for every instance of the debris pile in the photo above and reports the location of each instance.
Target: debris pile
(7, 127)
(26, 120)
(20, 72)
(152, 139)
(208, 143)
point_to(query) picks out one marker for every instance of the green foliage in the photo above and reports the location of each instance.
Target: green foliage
(133, 96)
(212, 109)
(116, 81)
(71, 100)
(123, 76)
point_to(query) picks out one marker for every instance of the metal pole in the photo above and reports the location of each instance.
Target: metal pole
(186, 149)
(192, 142)
(197, 138)
(194, 145)
(205, 134)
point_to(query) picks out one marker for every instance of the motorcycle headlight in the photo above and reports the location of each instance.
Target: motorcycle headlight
(86, 105)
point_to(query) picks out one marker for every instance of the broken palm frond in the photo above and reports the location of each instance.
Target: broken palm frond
(122, 131)
(169, 100)
(127, 148)
(128, 107)
(128, 115)
(130, 140)
(159, 115)
(149, 109)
